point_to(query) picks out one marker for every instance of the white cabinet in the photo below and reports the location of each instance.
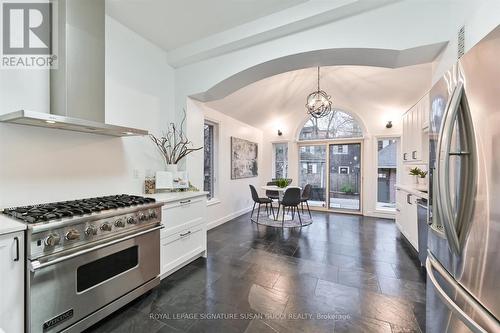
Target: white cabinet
(406, 216)
(12, 282)
(414, 136)
(184, 237)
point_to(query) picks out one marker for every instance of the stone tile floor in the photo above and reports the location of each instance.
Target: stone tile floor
(343, 273)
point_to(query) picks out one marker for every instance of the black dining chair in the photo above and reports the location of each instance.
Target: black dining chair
(291, 200)
(260, 201)
(305, 197)
(273, 195)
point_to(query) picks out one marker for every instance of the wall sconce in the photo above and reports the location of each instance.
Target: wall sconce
(389, 124)
(280, 133)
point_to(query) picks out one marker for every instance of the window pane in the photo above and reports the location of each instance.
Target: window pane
(336, 125)
(312, 170)
(208, 167)
(280, 160)
(387, 171)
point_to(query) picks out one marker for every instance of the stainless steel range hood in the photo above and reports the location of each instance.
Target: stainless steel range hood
(77, 87)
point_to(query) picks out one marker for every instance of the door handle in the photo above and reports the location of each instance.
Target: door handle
(456, 226)
(432, 265)
(16, 239)
(36, 265)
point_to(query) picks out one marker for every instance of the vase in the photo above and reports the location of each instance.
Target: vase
(421, 184)
(172, 167)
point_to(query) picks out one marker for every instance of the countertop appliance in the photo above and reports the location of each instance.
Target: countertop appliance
(463, 263)
(87, 258)
(423, 228)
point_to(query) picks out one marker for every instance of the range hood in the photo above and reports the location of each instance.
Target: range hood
(77, 86)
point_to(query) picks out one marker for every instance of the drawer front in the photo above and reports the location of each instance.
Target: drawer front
(178, 213)
(182, 246)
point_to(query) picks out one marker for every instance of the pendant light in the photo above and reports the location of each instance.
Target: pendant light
(318, 103)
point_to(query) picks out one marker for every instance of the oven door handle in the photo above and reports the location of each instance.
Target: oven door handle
(36, 265)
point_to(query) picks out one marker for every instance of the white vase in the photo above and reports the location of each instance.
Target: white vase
(172, 167)
(421, 184)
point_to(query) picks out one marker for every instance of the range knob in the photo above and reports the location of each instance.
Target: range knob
(120, 223)
(106, 227)
(52, 240)
(142, 217)
(91, 231)
(72, 234)
(152, 214)
(132, 220)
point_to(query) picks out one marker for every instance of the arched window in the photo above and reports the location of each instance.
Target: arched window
(337, 125)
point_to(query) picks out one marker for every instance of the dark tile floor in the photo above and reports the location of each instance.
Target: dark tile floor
(343, 273)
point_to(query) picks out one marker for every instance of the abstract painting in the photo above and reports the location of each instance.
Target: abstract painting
(243, 158)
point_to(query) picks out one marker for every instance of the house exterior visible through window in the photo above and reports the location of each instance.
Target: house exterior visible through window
(210, 133)
(386, 173)
(280, 158)
(337, 125)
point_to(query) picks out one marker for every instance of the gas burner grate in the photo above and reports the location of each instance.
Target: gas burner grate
(64, 209)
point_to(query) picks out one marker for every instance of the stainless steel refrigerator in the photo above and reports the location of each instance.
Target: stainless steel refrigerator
(463, 263)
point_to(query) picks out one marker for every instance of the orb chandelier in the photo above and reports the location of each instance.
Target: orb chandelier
(318, 103)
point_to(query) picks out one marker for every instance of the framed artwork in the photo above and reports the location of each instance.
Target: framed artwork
(244, 155)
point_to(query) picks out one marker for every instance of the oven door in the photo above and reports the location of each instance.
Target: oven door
(70, 287)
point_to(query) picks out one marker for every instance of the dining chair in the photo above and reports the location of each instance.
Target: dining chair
(305, 197)
(260, 201)
(273, 195)
(291, 200)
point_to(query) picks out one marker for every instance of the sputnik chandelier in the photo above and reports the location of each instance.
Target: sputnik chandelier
(318, 103)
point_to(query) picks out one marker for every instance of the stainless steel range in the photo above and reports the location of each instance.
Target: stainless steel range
(87, 258)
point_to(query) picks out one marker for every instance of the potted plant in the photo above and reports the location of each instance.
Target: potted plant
(174, 145)
(347, 189)
(421, 180)
(415, 172)
(282, 182)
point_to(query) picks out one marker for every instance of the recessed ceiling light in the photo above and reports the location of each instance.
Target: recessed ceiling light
(128, 133)
(50, 121)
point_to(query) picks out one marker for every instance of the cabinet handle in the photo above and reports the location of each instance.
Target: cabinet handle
(185, 234)
(185, 202)
(398, 210)
(414, 154)
(16, 239)
(404, 156)
(408, 199)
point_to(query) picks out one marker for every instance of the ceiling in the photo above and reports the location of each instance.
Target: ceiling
(174, 23)
(353, 88)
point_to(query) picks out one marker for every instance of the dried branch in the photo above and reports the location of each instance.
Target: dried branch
(174, 145)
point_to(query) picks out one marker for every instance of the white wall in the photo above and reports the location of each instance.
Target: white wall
(41, 165)
(232, 196)
(481, 19)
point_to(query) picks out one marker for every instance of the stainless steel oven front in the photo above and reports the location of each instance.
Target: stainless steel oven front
(72, 291)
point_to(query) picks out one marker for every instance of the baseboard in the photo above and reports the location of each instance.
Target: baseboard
(227, 218)
(381, 215)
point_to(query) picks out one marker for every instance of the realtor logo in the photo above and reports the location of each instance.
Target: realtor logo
(29, 38)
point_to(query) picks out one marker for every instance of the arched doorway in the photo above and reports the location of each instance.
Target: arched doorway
(330, 159)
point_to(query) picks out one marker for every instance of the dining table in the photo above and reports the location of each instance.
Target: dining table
(281, 192)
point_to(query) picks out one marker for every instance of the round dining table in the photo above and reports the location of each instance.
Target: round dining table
(281, 192)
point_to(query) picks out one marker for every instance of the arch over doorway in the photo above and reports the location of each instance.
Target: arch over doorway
(389, 58)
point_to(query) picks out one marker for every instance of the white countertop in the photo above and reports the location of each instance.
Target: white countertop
(175, 196)
(412, 190)
(9, 224)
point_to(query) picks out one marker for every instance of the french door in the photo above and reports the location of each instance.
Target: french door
(334, 171)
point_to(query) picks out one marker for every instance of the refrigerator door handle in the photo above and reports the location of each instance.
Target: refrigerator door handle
(432, 265)
(456, 227)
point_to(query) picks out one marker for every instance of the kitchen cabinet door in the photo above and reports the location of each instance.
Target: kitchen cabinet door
(12, 282)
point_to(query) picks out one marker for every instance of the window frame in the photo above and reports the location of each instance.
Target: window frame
(376, 168)
(215, 160)
(273, 159)
(309, 138)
